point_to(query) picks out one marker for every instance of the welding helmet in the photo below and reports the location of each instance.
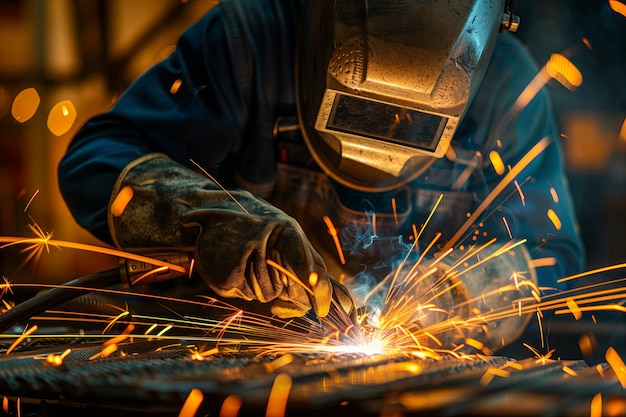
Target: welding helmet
(381, 85)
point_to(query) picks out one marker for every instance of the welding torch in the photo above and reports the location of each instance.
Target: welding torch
(130, 273)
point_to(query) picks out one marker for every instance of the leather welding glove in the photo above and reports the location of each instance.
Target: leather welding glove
(160, 203)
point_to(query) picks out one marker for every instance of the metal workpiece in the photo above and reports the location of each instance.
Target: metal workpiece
(154, 378)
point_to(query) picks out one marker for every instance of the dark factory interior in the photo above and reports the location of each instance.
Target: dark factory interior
(81, 54)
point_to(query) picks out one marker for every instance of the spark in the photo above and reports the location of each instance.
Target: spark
(192, 403)
(557, 67)
(199, 356)
(25, 105)
(555, 196)
(592, 272)
(289, 274)
(510, 176)
(554, 218)
(539, 358)
(574, 308)
(212, 178)
(373, 223)
(277, 401)
(150, 329)
(165, 330)
(618, 7)
(176, 86)
(520, 192)
(508, 229)
(5, 287)
(32, 198)
(61, 118)
(541, 262)
(540, 323)
(44, 240)
(148, 274)
(119, 204)
(332, 230)
(515, 365)
(279, 363)
(23, 336)
(395, 210)
(496, 162)
(586, 346)
(491, 373)
(105, 352)
(231, 406)
(561, 69)
(468, 171)
(617, 365)
(228, 322)
(478, 345)
(57, 360)
(569, 370)
(596, 406)
(116, 340)
(115, 319)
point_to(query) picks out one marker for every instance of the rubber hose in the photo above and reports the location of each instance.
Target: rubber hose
(94, 303)
(42, 302)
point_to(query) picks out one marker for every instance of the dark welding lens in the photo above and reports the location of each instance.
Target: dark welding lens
(378, 120)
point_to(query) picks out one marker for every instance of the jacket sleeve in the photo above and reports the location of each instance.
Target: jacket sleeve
(537, 206)
(191, 105)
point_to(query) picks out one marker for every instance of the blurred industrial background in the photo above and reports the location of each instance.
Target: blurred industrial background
(65, 60)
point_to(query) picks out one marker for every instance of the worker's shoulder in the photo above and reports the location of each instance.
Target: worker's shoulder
(510, 50)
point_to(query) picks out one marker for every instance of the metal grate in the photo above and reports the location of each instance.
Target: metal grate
(150, 378)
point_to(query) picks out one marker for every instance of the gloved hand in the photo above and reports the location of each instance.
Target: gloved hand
(232, 235)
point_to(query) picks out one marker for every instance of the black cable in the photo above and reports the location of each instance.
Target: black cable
(40, 303)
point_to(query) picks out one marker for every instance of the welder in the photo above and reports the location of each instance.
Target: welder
(278, 130)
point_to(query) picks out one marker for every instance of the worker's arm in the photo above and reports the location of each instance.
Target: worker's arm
(191, 105)
(243, 246)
